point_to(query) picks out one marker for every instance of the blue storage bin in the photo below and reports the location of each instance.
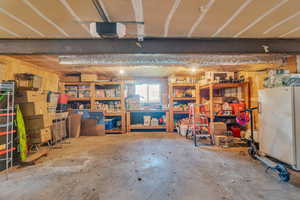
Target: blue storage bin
(109, 124)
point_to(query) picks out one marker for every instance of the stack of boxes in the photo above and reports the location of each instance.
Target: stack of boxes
(38, 120)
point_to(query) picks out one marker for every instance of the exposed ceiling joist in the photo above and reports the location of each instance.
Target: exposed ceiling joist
(149, 46)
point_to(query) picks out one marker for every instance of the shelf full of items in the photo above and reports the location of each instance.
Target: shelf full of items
(79, 95)
(7, 128)
(223, 99)
(151, 120)
(181, 94)
(106, 97)
(109, 99)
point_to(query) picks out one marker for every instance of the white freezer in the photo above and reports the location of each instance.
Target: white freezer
(279, 124)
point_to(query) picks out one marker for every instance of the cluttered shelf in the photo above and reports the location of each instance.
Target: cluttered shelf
(223, 85)
(147, 119)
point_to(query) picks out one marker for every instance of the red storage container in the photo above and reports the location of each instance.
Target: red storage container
(63, 99)
(236, 131)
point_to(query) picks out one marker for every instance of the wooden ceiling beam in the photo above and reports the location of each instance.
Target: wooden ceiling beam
(149, 46)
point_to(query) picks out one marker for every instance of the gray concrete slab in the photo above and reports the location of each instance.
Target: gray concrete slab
(145, 167)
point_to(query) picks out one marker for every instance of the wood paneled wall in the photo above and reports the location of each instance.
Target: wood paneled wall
(10, 66)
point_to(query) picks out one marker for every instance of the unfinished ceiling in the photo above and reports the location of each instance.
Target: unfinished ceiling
(168, 18)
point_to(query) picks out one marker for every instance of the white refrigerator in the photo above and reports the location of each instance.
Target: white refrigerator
(279, 124)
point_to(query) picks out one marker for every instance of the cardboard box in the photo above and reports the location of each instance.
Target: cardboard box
(40, 136)
(219, 128)
(36, 82)
(74, 124)
(89, 77)
(30, 108)
(36, 122)
(89, 127)
(30, 96)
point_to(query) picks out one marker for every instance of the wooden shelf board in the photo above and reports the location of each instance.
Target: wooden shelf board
(184, 98)
(114, 131)
(147, 127)
(183, 84)
(77, 83)
(79, 98)
(107, 98)
(108, 83)
(113, 114)
(223, 85)
(181, 112)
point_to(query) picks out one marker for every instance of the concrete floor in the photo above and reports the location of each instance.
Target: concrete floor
(144, 167)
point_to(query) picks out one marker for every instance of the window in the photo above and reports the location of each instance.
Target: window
(149, 93)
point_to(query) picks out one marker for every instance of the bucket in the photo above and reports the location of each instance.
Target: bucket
(183, 130)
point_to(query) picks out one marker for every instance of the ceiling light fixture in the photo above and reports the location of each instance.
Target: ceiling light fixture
(121, 71)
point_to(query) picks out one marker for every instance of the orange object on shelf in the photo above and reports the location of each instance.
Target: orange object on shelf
(237, 108)
(63, 99)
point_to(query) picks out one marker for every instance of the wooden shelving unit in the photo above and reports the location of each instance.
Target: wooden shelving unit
(197, 99)
(175, 113)
(131, 126)
(93, 98)
(115, 98)
(245, 92)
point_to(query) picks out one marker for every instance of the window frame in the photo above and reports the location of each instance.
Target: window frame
(147, 102)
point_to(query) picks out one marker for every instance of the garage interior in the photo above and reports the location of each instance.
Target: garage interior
(132, 99)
